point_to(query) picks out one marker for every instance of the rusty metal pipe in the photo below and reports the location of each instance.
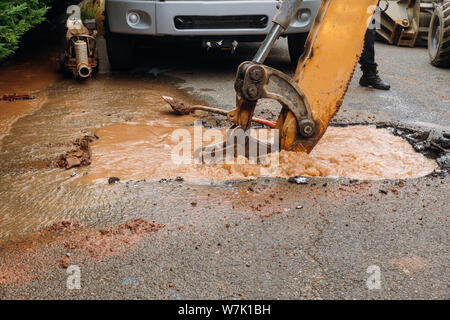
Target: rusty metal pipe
(179, 107)
(81, 54)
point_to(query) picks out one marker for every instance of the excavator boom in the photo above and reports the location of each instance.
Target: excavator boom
(332, 52)
(324, 71)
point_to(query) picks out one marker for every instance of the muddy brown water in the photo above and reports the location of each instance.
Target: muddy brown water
(134, 126)
(24, 77)
(135, 152)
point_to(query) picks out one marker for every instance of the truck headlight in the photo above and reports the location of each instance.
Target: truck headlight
(133, 18)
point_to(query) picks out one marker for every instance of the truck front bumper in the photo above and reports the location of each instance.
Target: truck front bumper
(214, 18)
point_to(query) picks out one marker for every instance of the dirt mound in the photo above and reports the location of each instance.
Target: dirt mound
(27, 259)
(62, 226)
(109, 242)
(80, 156)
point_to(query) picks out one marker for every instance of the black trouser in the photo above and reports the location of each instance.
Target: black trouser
(367, 60)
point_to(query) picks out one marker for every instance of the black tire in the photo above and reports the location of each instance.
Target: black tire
(120, 49)
(439, 36)
(296, 45)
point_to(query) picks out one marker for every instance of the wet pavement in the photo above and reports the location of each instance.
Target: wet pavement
(267, 238)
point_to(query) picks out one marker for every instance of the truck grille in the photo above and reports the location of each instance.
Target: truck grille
(221, 22)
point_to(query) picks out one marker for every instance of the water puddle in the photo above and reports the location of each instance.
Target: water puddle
(34, 195)
(136, 152)
(24, 77)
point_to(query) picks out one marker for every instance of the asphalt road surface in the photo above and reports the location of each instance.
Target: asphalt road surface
(327, 239)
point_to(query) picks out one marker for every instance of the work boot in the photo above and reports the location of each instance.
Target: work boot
(372, 79)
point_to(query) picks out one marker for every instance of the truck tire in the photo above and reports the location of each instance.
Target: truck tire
(120, 49)
(296, 45)
(439, 36)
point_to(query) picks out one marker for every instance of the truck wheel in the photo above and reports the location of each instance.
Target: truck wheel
(439, 36)
(120, 49)
(296, 45)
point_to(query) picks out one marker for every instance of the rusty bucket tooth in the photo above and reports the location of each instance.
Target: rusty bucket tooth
(236, 144)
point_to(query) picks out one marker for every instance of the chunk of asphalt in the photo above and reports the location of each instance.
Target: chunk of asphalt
(298, 180)
(444, 161)
(444, 142)
(112, 180)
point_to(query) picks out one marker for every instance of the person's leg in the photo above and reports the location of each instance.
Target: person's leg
(370, 76)
(367, 60)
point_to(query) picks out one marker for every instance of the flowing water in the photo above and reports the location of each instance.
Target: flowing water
(135, 128)
(135, 152)
(29, 76)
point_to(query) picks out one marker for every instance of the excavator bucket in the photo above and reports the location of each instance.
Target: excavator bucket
(324, 71)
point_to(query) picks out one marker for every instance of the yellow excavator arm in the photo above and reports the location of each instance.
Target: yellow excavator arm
(324, 71)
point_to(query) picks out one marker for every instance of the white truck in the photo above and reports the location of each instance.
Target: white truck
(217, 23)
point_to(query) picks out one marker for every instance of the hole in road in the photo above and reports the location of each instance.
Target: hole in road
(135, 152)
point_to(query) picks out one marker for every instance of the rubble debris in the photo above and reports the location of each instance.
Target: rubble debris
(109, 242)
(444, 161)
(439, 173)
(112, 180)
(62, 226)
(298, 180)
(63, 263)
(80, 156)
(394, 191)
(400, 184)
(444, 142)
(431, 144)
(14, 97)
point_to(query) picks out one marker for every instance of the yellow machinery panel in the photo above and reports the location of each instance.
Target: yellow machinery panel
(326, 68)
